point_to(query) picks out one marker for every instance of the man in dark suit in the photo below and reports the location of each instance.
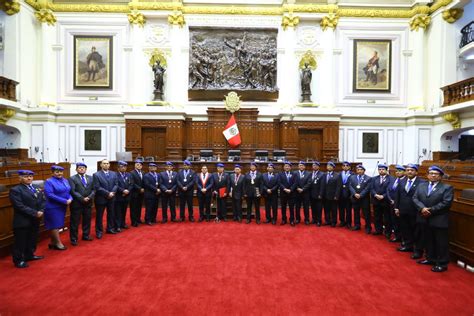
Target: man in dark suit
(168, 186)
(205, 183)
(359, 185)
(151, 184)
(253, 191)
(392, 192)
(221, 183)
(186, 179)
(379, 198)
(136, 195)
(236, 192)
(82, 192)
(433, 200)
(316, 189)
(406, 210)
(105, 185)
(331, 189)
(345, 205)
(28, 207)
(288, 183)
(302, 195)
(270, 194)
(122, 199)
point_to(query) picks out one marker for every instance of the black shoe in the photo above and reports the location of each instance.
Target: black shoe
(376, 233)
(313, 222)
(191, 219)
(34, 258)
(135, 224)
(318, 224)
(405, 249)
(333, 225)
(174, 220)
(248, 221)
(426, 262)
(149, 223)
(208, 219)
(200, 219)
(395, 240)
(111, 231)
(21, 264)
(239, 219)
(99, 235)
(342, 224)
(74, 242)
(124, 227)
(325, 224)
(118, 230)
(297, 221)
(348, 226)
(267, 221)
(292, 223)
(355, 228)
(181, 219)
(439, 268)
(368, 231)
(283, 223)
(274, 222)
(164, 221)
(306, 222)
(56, 247)
(87, 238)
(258, 222)
(416, 256)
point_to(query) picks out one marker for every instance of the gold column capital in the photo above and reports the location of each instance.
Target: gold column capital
(329, 20)
(6, 114)
(10, 7)
(289, 20)
(452, 15)
(45, 16)
(453, 119)
(177, 18)
(420, 21)
(137, 18)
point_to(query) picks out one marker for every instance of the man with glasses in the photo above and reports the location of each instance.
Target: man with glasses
(359, 186)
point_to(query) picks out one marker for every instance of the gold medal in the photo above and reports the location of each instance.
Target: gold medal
(253, 182)
(358, 186)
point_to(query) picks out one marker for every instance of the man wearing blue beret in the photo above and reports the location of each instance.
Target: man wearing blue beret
(252, 192)
(270, 193)
(359, 185)
(186, 180)
(287, 182)
(302, 195)
(380, 201)
(137, 194)
(236, 192)
(331, 189)
(168, 187)
(125, 186)
(317, 179)
(345, 204)
(105, 185)
(205, 184)
(221, 184)
(392, 192)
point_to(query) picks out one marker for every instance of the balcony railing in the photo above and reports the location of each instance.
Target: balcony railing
(8, 89)
(467, 35)
(458, 92)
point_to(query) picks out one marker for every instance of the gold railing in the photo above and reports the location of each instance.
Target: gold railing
(8, 89)
(458, 92)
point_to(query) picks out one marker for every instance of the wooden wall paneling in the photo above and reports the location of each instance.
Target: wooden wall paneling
(265, 136)
(289, 139)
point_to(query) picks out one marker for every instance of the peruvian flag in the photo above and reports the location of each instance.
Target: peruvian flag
(231, 132)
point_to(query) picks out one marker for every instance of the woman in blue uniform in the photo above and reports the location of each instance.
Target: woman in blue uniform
(58, 197)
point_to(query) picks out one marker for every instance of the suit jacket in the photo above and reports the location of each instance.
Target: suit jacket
(380, 188)
(103, 185)
(150, 184)
(168, 183)
(364, 186)
(137, 182)
(404, 200)
(303, 182)
(286, 182)
(223, 183)
(392, 189)
(26, 205)
(186, 182)
(237, 189)
(79, 191)
(439, 201)
(57, 192)
(345, 191)
(316, 187)
(270, 184)
(124, 183)
(208, 185)
(250, 190)
(331, 186)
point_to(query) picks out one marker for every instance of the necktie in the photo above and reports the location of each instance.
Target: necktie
(107, 174)
(83, 180)
(270, 176)
(314, 175)
(186, 173)
(140, 174)
(288, 176)
(381, 180)
(430, 188)
(395, 184)
(344, 178)
(408, 185)
(32, 189)
(328, 176)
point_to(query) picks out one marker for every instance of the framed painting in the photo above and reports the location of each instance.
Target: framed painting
(372, 65)
(370, 143)
(2, 34)
(93, 140)
(93, 62)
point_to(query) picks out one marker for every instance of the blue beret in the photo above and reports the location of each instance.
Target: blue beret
(330, 163)
(237, 166)
(25, 172)
(169, 163)
(122, 163)
(139, 161)
(81, 164)
(253, 163)
(152, 164)
(412, 165)
(271, 165)
(288, 163)
(187, 163)
(315, 162)
(346, 163)
(56, 168)
(382, 165)
(302, 162)
(400, 167)
(220, 165)
(360, 167)
(436, 168)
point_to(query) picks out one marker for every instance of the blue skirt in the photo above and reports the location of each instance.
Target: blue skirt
(54, 217)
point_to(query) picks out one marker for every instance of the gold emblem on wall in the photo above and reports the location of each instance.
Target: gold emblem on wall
(420, 20)
(232, 102)
(310, 59)
(10, 7)
(6, 114)
(329, 20)
(452, 15)
(453, 119)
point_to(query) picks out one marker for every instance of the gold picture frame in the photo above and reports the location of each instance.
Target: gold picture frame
(372, 65)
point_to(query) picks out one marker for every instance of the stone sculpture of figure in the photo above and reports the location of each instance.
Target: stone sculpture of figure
(306, 83)
(159, 72)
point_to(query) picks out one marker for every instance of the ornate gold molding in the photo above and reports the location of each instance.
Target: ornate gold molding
(232, 102)
(176, 18)
(10, 7)
(289, 20)
(453, 119)
(232, 10)
(101, 8)
(310, 59)
(452, 15)
(137, 18)
(6, 114)
(329, 20)
(45, 16)
(157, 55)
(420, 20)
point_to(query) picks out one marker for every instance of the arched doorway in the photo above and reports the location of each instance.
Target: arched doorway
(459, 142)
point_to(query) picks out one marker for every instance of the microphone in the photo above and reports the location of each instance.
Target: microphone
(42, 157)
(47, 151)
(29, 152)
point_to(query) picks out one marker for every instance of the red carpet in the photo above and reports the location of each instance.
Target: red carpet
(230, 268)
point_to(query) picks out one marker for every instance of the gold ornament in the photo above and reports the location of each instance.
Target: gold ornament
(6, 114)
(452, 15)
(157, 55)
(137, 18)
(420, 20)
(232, 102)
(177, 18)
(329, 20)
(45, 16)
(10, 7)
(289, 20)
(453, 119)
(308, 58)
